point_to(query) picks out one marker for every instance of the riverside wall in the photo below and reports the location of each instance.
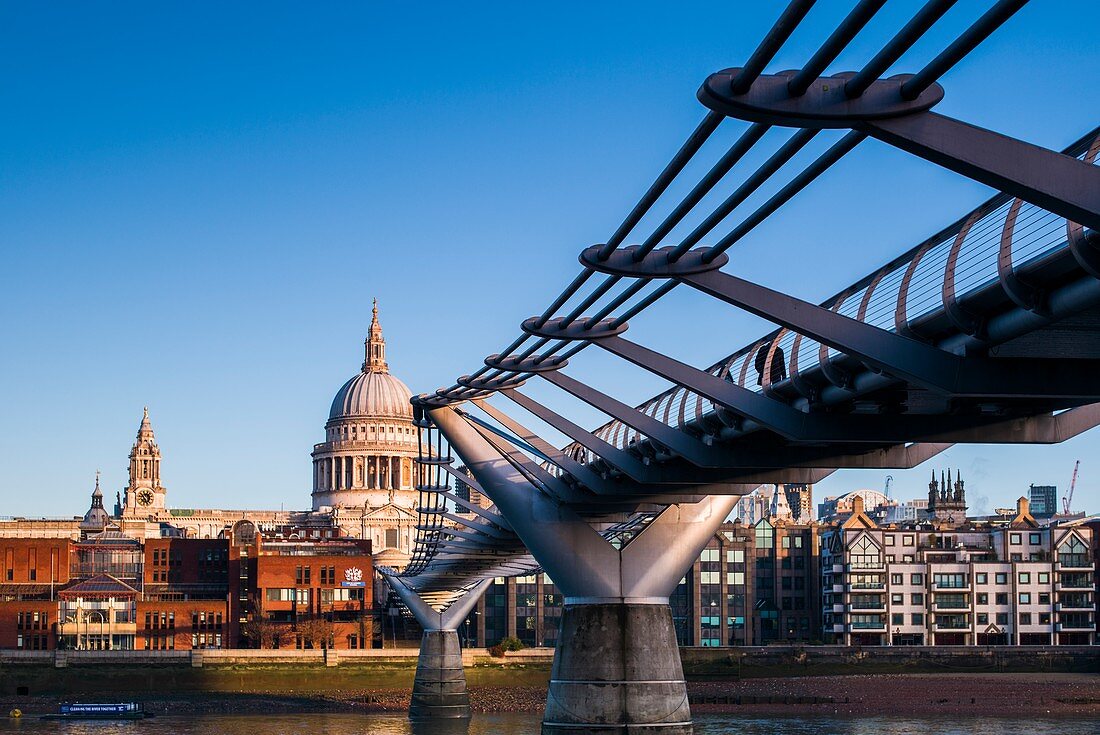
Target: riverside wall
(87, 672)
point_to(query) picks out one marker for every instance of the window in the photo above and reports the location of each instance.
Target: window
(865, 554)
(1044, 618)
(1073, 553)
(1025, 578)
(981, 578)
(710, 578)
(916, 579)
(1034, 539)
(735, 578)
(983, 618)
(391, 538)
(897, 599)
(786, 542)
(949, 581)
(1044, 577)
(917, 618)
(897, 619)
(897, 579)
(1001, 598)
(983, 598)
(907, 540)
(1002, 618)
(735, 556)
(917, 598)
(1025, 598)
(1001, 578)
(1044, 598)
(1014, 539)
(709, 555)
(798, 542)
(1025, 618)
(888, 539)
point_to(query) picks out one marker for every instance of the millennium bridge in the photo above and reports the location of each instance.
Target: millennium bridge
(988, 331)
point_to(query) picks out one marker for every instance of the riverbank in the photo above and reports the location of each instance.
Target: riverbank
(1009, 694)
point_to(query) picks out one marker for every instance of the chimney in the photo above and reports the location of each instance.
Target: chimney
(1023, 507)
(857, 505)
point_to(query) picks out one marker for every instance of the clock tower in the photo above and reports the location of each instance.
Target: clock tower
(144, 494)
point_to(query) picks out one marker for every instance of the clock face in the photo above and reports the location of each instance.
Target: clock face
(145, 497)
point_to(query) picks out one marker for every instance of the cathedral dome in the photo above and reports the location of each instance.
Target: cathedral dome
(372, 394)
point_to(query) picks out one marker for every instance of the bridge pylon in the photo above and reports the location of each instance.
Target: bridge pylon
(617, 667)
(439, 688)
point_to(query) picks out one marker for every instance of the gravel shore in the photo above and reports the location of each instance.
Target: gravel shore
(899, 694)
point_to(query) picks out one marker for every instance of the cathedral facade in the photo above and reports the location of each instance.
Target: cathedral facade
(364, 478)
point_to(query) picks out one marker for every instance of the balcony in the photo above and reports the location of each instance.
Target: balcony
(866, 586)
(1073, 562)
(838, 589)
(866, 626)
(951, 622)
(950, 587)
(951, 626)
(1073, 585)
(867, 605)
(1074, 606)
(1074, 626)
(879, 566)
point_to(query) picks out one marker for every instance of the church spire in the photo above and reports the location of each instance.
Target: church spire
(145, 431)
(375, 361)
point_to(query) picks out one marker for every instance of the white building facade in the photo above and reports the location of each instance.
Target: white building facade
(1014, 583)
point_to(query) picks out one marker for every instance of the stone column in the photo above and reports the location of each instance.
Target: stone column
(617, 666)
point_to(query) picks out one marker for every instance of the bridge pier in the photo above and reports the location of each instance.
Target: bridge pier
(439, 688)
(617, 668)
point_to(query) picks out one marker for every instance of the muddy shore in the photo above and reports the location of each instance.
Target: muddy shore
(900, 694)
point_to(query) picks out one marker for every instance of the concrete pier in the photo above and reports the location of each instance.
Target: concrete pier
(617, 671)
(439, 689)
(616, 666)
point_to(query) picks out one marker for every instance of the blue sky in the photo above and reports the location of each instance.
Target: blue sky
(197, 204)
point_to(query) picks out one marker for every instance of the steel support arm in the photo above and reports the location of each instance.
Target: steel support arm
(428, 616)
(900, 356)
(584, 565)
(683, 444)
(491, 516)
(1054, 181)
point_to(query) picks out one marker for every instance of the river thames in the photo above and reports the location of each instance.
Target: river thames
(529, 724)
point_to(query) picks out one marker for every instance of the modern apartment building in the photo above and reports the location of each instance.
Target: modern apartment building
(957, 582)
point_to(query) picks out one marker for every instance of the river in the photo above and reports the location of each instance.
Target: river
(528, 724)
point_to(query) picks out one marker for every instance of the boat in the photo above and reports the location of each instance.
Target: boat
(100, 711)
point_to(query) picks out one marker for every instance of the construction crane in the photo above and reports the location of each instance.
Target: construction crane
(886, 490)
(1068, 498)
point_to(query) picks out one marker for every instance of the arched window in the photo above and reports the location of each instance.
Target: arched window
(864, 554)
(1073, 553)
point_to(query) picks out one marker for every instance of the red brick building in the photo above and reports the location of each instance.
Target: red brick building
(112, 591)
(307, 593)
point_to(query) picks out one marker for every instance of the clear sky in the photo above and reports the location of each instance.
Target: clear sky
(198, 202)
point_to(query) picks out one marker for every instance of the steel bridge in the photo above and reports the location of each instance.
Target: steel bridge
(988, 331)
